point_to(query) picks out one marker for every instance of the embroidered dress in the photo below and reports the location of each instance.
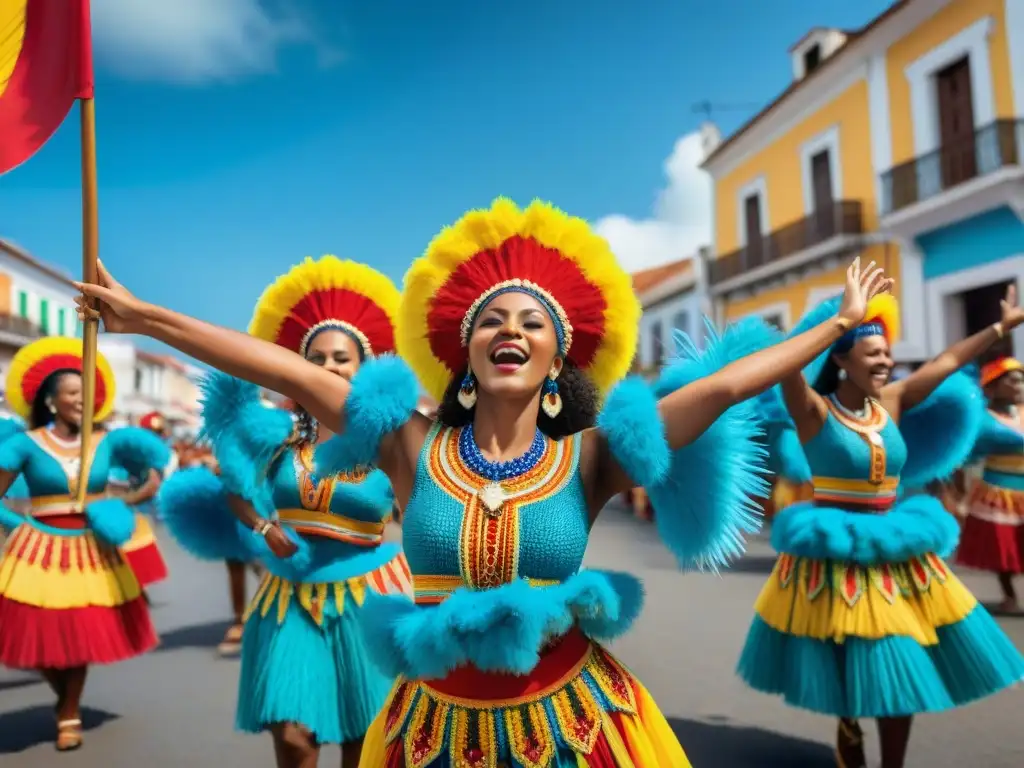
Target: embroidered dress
(861, 617)
(993, 535)
(141, 551)
(67, 596)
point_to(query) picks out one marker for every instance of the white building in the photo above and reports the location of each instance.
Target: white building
(673, 298)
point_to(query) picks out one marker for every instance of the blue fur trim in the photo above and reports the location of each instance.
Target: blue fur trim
(497, 630)
(771, 407)
(705, 505)
(915, 526)
(195, 508)
(111, 520)
(383, 397)
(246, 436)
(942, 431)
(633, 430)
(138, 451)
(786, 456)
(813, 319)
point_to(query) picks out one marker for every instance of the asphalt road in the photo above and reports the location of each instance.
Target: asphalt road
(175, 706)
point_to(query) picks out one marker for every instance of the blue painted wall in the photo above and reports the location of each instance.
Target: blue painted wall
(985, 238)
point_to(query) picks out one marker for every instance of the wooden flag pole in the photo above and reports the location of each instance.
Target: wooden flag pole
(90, 255)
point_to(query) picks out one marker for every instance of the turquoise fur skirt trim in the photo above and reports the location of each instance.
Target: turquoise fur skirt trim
(888, 677)
(321, 676)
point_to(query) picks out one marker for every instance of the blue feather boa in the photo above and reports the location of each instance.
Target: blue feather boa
(942, 431)
(915, 526)
(497, 630)
(705, 503)
(195, 509)
(246, 436)
(111, 520)
(633, 431)
(138, 451)
(383, 397)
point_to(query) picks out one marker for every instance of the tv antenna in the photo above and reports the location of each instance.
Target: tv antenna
(706, 108)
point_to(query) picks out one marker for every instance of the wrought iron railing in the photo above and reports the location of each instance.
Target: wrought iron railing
(988, 149)
(842, 217)
(19, 326)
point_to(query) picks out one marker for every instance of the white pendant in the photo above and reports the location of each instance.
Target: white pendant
(493, 497)
(875, 438)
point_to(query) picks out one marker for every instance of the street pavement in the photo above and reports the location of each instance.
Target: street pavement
(175, 707)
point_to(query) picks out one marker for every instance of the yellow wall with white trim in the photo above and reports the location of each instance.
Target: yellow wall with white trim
(951, 20)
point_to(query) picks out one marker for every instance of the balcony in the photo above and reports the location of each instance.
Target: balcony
(956, 181)
(17, 331)
(824, 232)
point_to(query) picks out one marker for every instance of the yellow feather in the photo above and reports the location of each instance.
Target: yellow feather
(884, 309)
(480, 230)
(32, 354)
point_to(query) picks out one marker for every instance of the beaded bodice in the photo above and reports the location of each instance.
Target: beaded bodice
(539, 530)
(856, 460)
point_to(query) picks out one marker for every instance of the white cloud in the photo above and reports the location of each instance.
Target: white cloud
(193, 41)
(682, 214)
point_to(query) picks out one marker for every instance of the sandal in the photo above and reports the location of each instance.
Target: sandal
(850, 745)
(231, 645)
(69, 735)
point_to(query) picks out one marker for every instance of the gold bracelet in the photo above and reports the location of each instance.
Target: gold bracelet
(998, 327)
(843, 323)
(263, 527)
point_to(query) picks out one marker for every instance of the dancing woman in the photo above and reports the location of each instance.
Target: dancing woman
(68, 599)
(993, 535)
(306, 672)
(860, 617)
(517, 321)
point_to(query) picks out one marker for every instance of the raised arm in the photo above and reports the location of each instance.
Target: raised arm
(688, 412)
(901, 396)
(239, 354)
(144, 492)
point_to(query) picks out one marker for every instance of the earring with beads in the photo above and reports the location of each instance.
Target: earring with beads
(467, 392)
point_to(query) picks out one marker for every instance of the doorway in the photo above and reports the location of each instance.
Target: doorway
(981, 309)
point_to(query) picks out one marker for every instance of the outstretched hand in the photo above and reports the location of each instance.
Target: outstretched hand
(1012, 315)
(861, 287)
(119, 310)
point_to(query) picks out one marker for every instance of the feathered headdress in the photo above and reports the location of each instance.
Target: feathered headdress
(998, 368)
(556, 258)
(328, 294)
(881, 319)
(34, 363)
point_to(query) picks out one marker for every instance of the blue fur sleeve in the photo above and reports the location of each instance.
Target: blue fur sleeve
(497, 630)
(111, 520)
(633, 432)
(942, 431)
(138, 451)
(786, 456)
(705, 503)
(195, 509)
(995, 438)
(246, 436)
(383, 397)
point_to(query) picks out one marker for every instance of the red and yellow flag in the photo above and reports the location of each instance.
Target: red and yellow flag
(45, 65)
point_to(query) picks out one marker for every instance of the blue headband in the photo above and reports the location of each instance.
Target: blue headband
(560, 334)
(845, 344)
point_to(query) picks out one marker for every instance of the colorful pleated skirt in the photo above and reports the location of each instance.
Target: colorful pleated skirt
(68, 601)
(143, 553)
(305, 659)
(993, 535)
(579, 707)
(874, 641)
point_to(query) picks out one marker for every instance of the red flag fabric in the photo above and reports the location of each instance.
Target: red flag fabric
(45, 64)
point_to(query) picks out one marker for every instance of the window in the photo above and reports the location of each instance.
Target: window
(775, 320)
(812, 58)
(78, 329)
(23, 305)
(44, 316)
(138, 380)
(61, 328)
(681, 322)
(657, 343)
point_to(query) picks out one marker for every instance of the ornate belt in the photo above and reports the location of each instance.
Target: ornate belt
(842, 492)
(431, 590)
(338, 527)
(60, 504)
(1009, 464)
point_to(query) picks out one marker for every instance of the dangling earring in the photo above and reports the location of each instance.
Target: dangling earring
(842, 374)
(551, 401)
(467, 392)
(51, 407)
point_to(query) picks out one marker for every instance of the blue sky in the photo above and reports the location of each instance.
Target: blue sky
(237, 136)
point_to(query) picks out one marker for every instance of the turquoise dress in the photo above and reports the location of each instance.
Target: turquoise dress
(67, 596)
(861, 617)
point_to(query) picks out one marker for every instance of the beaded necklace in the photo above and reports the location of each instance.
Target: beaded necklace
(493, 495)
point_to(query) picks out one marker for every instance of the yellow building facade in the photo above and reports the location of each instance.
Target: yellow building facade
(809, 183)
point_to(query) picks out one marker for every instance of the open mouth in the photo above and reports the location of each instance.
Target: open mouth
(508, 358)
(880, 374)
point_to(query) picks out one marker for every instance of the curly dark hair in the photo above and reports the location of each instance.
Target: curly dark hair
(40, 415)
(828, 380)
(580, 403)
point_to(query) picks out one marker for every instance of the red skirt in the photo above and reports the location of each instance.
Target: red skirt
(143, 553)
(578, 706)
(68, 601)
(993, 534)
